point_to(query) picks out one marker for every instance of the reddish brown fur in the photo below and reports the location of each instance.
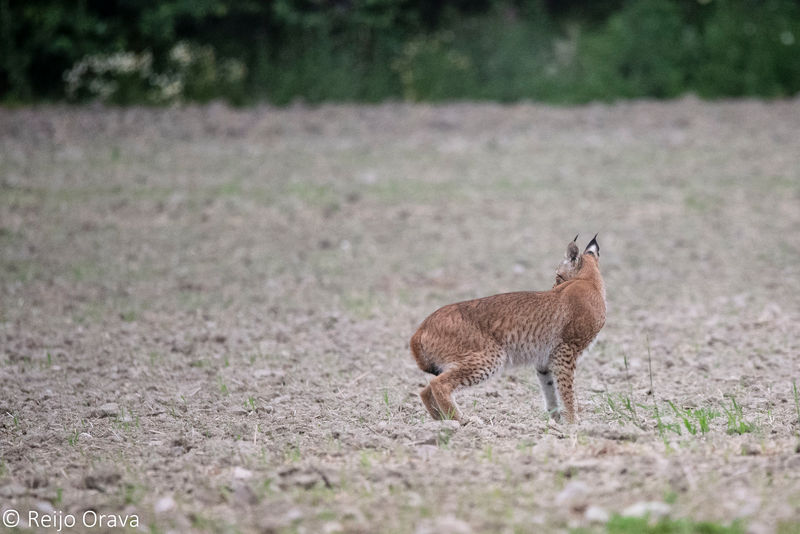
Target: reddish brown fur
(467, 342)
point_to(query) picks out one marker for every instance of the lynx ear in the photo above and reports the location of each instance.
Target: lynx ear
(593, 247)
(572, 251)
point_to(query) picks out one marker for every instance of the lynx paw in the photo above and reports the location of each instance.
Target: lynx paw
(469, 420)
(560, 416)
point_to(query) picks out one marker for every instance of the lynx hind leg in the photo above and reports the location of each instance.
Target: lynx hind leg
(562, 366)
(468, 371)
(430, 403)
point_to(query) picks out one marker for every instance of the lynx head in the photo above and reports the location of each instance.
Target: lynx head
(571, 264)
(573, 260)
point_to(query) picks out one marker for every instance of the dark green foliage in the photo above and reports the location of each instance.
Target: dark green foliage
(644, 50)
(372, 50)
(750, 48)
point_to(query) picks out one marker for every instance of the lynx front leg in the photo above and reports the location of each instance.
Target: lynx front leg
(562, 365)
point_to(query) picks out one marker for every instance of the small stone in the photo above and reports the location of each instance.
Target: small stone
(164, 504)
(574, 495)
(331, 527)
(109, 409)
(652, 509)
(240, 473)
(770, 313)
(596, 514)
(448, 523)
(45, 507)
(414, 499)
(12, 490)
(293, 514)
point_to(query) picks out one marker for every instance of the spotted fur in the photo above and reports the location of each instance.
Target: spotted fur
(467, 342)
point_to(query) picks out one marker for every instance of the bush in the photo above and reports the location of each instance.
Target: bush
(191, 72)
(430, 68)
(750, 49)
(644, 50)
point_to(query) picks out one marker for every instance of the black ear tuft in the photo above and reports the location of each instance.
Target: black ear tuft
(593, 247)
(576, 238)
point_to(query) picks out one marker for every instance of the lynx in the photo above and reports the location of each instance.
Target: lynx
(467, 342)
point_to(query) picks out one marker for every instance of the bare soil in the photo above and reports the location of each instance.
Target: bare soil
(205, 314)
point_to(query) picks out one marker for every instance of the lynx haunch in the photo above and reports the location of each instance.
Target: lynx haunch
(467, 342)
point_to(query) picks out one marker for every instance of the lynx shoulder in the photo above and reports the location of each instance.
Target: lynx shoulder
(467, 342)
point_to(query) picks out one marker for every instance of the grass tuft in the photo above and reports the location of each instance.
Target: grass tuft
(737, 424)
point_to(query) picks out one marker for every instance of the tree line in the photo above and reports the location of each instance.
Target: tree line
(151, 51)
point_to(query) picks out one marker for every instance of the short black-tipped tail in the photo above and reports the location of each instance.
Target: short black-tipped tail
(433, 369)
(416, 350)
